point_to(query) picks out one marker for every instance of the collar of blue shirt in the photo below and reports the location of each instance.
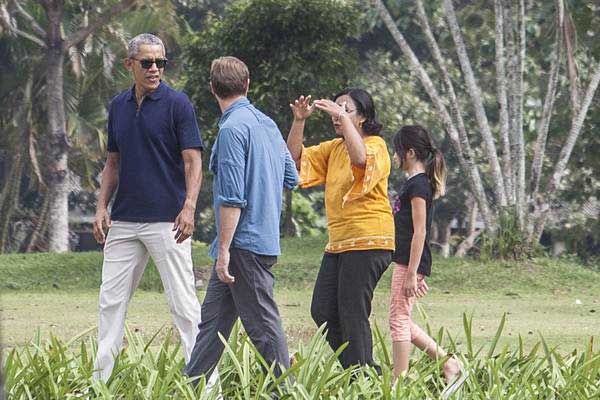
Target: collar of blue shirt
(242, 102)
(154, 95)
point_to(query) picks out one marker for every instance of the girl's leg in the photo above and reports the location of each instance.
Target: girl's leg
(423, 341)
(400, 321)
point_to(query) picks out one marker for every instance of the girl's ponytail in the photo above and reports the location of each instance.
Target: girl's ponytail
(417, 138)
(436, 172)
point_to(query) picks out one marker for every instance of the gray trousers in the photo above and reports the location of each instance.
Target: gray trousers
(250, 298)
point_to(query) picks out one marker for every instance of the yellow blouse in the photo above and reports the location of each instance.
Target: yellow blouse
(359, 216)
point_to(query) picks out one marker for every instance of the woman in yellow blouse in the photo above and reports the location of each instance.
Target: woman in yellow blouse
(354, 167)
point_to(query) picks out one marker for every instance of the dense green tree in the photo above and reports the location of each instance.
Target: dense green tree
(290, 47)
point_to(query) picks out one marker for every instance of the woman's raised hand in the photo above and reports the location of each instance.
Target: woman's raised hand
(330, 107)
(302, 108)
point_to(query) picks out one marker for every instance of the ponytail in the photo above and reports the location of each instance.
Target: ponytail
(436, 172)
(416, 137)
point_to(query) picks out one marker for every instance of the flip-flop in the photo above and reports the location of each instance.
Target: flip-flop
(454, 386)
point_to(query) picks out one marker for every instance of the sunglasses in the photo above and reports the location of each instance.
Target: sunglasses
(147, 63)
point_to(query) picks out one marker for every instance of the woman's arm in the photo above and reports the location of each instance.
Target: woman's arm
(301, 109)
(354, 142)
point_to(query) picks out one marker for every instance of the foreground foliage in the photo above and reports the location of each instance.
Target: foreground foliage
(147, 370)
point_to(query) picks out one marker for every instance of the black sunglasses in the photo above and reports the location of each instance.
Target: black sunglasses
(147, 63)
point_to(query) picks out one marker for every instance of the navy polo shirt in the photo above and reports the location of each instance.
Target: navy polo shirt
(149, 140)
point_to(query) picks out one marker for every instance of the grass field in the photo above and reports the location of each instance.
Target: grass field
(551, 308)
(59, 293)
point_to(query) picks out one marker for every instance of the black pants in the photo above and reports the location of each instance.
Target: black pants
(342, 299)
(250, 297)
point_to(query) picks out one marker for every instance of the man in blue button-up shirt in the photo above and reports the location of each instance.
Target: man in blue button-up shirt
(252, 166)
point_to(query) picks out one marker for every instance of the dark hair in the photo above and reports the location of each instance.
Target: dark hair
(364, 107)
(416, 137)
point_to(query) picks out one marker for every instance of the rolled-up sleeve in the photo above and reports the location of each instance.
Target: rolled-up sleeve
(290, 175)
(231, 163)
(313, 164)
(365, 179)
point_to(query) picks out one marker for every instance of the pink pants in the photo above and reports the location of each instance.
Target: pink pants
(401, 326)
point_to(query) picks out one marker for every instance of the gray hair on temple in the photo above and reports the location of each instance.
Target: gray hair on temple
(133, 47)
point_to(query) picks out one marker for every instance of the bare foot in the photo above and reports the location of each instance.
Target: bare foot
(451, 370)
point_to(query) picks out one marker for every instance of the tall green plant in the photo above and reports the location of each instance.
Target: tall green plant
(150, 370)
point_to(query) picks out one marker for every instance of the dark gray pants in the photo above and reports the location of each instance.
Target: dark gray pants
(250, 298)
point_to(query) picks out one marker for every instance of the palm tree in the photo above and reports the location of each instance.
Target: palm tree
(76, 72)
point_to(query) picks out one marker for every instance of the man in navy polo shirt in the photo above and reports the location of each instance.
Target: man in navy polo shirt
(252, 166)
(154, 164)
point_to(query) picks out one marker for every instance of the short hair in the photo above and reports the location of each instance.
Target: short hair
(229, 77)
(133, 47)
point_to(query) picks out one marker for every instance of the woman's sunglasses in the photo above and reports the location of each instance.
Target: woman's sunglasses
(147, 63)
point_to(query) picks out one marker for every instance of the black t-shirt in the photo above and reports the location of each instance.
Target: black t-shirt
(417, 186)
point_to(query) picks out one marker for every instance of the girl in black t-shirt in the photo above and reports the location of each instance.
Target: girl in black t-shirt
(426, 170)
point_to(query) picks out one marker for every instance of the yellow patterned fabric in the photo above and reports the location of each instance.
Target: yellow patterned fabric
(359, 216)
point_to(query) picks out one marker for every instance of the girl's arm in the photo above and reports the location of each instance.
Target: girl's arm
(419, 217)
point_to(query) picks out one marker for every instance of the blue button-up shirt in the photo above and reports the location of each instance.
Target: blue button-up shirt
(252, 165)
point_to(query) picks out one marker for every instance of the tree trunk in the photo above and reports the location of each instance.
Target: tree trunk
(514, 14)
(472, 232)
(475, 94)
(289, 228)
(444, 234)
(540, 212)
(507, 167)
(58, 227)
(467, 163)
(542, 136)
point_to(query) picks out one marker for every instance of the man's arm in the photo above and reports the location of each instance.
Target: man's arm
(290, 175)
(110, 180)
(228, 221)
(184, 223)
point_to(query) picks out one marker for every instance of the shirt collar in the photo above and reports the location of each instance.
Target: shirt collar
(154, 95)
(242, 102)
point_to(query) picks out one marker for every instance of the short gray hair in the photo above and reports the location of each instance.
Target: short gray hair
(133, 47)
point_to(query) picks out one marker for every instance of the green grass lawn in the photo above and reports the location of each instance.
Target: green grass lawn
(59, 293)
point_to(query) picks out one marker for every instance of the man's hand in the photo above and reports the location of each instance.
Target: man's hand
(302, 108)
(184, 224)
(222, 267)
(102, 220)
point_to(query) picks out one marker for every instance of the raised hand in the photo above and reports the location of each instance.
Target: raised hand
(330, 107)
(302, 108)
